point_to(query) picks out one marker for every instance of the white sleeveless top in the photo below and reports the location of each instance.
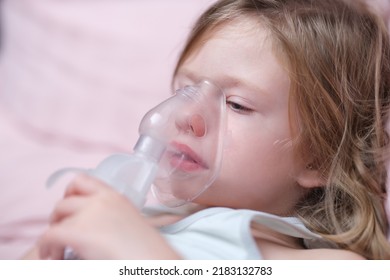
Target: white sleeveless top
(223, 233)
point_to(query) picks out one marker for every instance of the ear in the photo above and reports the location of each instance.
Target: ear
(310, 177)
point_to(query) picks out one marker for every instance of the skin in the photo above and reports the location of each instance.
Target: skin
(259, 170)
(256, 86)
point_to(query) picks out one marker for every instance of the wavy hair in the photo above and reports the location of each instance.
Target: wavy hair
(338, 56)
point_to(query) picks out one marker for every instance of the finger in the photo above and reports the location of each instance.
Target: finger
(67, 207)
(50, 246)
(61, 241)
(84, 184)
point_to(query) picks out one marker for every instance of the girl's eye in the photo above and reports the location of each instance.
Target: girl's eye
(238, 107)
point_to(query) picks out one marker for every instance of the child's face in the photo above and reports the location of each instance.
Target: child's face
(258, 169)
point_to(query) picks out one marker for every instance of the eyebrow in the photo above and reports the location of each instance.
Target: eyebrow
(226, 81)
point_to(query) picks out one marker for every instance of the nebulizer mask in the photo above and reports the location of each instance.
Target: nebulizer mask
(179, 149)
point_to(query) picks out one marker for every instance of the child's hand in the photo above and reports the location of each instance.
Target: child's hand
(99, 223)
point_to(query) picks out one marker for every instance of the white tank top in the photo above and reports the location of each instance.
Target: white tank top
(224, 233)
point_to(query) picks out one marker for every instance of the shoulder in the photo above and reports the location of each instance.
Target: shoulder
(328, 254)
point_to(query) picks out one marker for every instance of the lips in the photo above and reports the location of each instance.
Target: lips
(182, 157)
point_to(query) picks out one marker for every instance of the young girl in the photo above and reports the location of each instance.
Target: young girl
(306, 84)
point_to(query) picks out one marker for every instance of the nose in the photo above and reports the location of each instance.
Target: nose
(197, 125)
(193, 124)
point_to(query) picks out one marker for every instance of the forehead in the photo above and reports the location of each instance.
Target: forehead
(241, 48)
(239, 58)
(245, 31)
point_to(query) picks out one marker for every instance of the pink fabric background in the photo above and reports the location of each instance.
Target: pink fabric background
(76, 77)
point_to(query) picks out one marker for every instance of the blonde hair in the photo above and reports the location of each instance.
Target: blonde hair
(337, 53)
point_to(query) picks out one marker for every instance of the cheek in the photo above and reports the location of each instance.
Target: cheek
(257, 158)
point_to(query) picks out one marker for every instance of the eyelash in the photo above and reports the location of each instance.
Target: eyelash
(238, 107)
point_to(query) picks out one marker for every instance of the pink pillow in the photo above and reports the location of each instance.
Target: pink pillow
(76, 77)
(88, 72)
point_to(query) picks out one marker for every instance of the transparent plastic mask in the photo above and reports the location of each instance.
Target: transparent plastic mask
(192, 124)
(179, 149)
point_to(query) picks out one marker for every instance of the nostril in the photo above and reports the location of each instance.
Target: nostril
(197, 125)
